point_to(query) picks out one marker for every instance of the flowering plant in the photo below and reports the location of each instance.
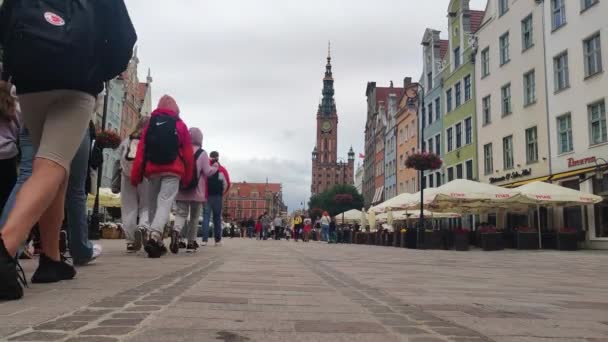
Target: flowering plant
(526, 229)
(461, 231)
(107, 139)
(568, 230)
(488, 230)
(423, 161)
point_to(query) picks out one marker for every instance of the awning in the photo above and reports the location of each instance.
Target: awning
(567, 174)
(524, 182)
(378, 195)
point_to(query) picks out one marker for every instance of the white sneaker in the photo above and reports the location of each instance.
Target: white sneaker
(97, 249)
(204, 243)
(219, 244)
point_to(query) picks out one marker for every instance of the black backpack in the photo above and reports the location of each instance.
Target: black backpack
(195, 173)
(65, 42)
(162, 141)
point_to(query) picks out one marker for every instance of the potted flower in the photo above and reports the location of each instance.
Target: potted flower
(491, 238)
(432, 239)
(567, 239)
(422, 161)
(527, 238)
(461, 239)
(107, 139)
(402, 234)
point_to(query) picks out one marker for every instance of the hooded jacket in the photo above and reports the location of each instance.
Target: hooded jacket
(182, 166)
(204, 168)
(218, 183)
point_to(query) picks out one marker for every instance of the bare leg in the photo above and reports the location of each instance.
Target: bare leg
(34, 198)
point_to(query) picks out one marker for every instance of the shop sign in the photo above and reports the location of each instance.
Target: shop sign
(511, 176)
(578, 162)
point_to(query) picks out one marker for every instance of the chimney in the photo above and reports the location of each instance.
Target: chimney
(407, 81)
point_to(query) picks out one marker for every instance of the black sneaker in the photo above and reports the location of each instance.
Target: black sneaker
(131, 248)
(50, 271)
(10, 289)
(174, 246)
(155, 249)
(182, 245)
(192, 247)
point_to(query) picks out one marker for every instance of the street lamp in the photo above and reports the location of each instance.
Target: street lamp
(415, 98)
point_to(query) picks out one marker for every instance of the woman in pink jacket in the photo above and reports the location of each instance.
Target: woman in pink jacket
(190, 199)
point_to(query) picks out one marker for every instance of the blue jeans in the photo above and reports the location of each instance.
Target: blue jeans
(25, 171)
(250, 232)
(324, 232)
(213, 206)
(81, 248)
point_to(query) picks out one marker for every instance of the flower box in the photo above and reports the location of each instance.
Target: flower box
(567, 241)
(491, 241)
(402, 236)
(397, 238)
(527, 240)
(461, 239)
(371, 238)
(432, 240)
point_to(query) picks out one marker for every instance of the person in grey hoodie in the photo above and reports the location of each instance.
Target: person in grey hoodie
(190, 200)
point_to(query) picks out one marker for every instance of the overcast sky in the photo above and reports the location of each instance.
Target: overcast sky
(249, 72)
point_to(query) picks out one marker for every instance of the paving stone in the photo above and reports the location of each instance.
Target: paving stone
(426, 339)
(92, 339)
(142, 308)
(454, 331)
(152, 302)
(409, 331)
(108, 331)
(39, 336)
(422, 316)
(379, 309)
(120, 322)
(212, 299)
(403, 322)
(89, 312)
(338, 327)
(467, 339)
(131, 315)
(61, 324)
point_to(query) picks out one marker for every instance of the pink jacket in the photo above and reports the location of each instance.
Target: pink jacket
(199, 194)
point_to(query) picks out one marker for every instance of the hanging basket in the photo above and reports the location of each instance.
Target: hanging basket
(107, 139)
(423, 161)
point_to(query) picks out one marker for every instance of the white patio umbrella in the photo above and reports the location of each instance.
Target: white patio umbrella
(402, 215)
(541, 194)
(396, 203)
(348, 217)
(371, 216)
(389, 219)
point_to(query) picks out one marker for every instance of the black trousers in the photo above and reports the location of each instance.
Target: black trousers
(8, 178)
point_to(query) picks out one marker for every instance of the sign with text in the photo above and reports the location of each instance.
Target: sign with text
(511, 176)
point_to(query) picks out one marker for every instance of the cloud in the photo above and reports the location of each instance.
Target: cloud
(249, 73)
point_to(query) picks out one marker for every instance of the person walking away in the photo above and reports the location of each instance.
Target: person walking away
(325, 220)
(9, 134)
(133, 200)
(278, 227)
(297, 227)
(165, 157)
(332, 231)
(217, 184)
(57, 83)
(250, 227)
(266, 223)
(307, 229)
(258, 229)
(191, 198)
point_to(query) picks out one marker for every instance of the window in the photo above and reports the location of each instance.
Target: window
(431, 181)
(588, 3)
(469, 165)
(449, 137)
(560, 71)
(564, 132)
(424, 146)
(507, 152)
(531, 145)
(485, 62)
(593, 55)
(456, 57)
(527, 35)
(405, 133)
(429, 80)
(437, 109)
(558, 13)
(467, 88)
(438, 144)
(487, 110)
(459, 135)
(504, 48)
(468, 131)
(450, 174)
(430, 145)
(448, 100)
(458, 94)
(506, 99)
(503, 6)
(529, 88)
(459, 174)
(597, 122)
(488, 162)
(431, 113)
(423, 114)
(438, 178)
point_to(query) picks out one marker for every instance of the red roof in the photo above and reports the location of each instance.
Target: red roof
(443, 47)
(476, 18)
(382, 94)
(245, 189)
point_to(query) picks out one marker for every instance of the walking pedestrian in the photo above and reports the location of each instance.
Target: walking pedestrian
(250, 227)
(218, 184)
(133, 200)
(332, 231)
(325, 221)
(58, 77)
(307, 229)
(164, 156)
(297, 227)
(278, 227)
(190, 199)
(258, 229)
(266, 224)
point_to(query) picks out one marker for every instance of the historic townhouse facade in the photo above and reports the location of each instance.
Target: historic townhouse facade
(576, 35)
(513, 141)
(390, 149)
(434, 51)
(459, 121)
(407, 143)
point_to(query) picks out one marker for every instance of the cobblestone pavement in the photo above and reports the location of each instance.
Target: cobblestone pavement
(286, 291)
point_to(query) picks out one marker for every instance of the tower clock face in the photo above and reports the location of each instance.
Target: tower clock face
(326, 127)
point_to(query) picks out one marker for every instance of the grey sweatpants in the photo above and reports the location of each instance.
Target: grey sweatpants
(161, 195)
(134, 202)
(189, 211)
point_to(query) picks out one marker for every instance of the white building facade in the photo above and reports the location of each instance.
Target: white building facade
(576, 35)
